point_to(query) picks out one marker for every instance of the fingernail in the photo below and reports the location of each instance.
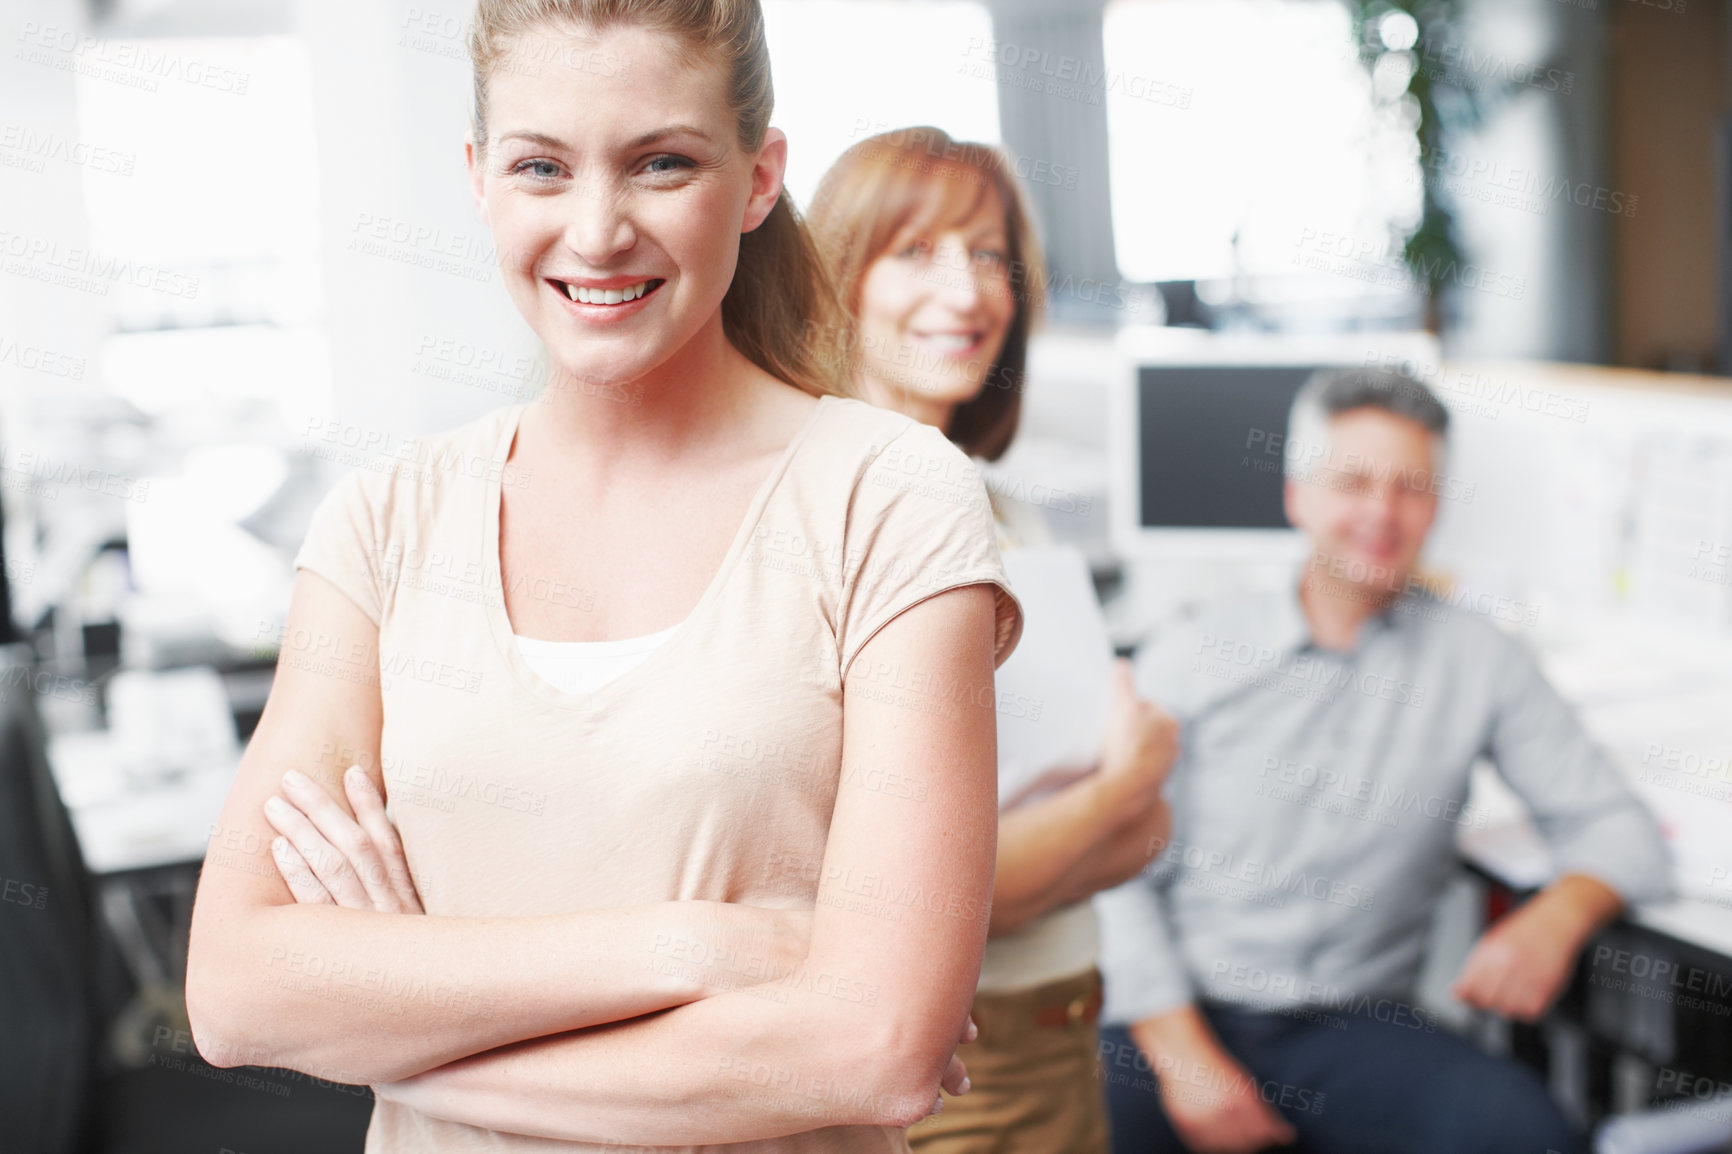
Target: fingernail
(295, 779)
(356, 774)
(963, 1086)
(276, 805)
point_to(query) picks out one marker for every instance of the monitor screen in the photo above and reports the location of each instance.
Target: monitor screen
(1209, 443)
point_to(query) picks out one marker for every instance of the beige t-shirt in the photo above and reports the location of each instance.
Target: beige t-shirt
(708, 771)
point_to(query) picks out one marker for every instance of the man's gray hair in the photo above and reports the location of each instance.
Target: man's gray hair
(1328, 393)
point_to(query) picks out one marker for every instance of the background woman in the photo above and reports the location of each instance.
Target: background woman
(932, 247)
(670, 899)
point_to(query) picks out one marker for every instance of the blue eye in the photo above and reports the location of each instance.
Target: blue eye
(664, 165)
(539, 169)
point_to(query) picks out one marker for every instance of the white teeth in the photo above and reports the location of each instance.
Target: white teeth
(614, 296)
(951, 341)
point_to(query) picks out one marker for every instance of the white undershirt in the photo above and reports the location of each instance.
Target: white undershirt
(586, 666)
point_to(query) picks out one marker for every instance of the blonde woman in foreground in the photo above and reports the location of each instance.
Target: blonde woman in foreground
(682, 706)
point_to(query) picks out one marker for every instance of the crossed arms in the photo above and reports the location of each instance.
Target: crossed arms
(555, 1026)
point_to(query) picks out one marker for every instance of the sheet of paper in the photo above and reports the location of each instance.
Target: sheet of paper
(1052, 692)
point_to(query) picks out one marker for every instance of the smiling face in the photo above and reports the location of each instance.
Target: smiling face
(617, 196)
(1369, 501)
(934, 309)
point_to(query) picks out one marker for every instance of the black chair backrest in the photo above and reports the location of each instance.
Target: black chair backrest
(47, 1017)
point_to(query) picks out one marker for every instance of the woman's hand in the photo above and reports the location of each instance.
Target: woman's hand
(328, 857)
(1140, 744)
(955, 1080)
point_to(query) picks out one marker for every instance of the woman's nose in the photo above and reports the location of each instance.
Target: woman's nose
(598, 224)
(961, 281)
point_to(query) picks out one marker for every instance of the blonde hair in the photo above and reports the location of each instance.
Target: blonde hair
(781, 309)
(919, 178)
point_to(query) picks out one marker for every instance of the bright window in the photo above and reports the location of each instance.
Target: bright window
(849, 69)
(1247, 117)
(204, 216)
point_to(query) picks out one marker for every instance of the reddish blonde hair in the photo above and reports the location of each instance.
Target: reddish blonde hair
(917, 179)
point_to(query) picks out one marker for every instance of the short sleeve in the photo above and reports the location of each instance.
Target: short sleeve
(919, 524)
(343, 544)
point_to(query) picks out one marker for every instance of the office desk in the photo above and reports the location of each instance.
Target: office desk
(1649, 1012)
(126, 824)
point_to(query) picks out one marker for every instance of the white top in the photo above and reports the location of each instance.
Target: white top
(1061, 943)
(586, 666)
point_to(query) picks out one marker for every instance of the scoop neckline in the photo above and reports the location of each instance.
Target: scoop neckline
(499, 621)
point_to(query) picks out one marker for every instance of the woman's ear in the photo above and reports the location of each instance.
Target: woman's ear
(767, 171)
(477, 185)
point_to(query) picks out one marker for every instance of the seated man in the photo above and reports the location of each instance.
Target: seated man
(1259, 976)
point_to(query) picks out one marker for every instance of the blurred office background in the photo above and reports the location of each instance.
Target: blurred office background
(238, 257)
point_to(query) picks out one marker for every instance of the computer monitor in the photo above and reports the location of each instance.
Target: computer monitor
(1201, 427)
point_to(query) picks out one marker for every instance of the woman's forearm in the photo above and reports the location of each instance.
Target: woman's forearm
(747, 1065)
(366, 997)
(1043, 853)
(863, 1030)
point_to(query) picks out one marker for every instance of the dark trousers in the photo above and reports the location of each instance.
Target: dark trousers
(1351, 1084)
